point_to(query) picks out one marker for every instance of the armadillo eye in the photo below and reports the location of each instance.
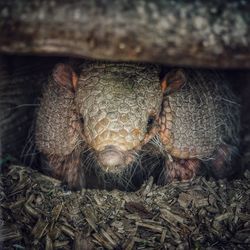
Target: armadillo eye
(81, 120)
(151, 120)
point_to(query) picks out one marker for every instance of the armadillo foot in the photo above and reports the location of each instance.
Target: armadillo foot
(179, 169)
(67, 169)
(221, 166)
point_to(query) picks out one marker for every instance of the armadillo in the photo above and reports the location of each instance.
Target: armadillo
(112, 110)
(199, 121)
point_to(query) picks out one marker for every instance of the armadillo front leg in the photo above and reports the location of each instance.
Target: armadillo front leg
(222, 163)
(58, 128)
(180, 169)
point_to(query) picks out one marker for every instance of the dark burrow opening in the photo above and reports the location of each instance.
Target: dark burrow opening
(21, 84)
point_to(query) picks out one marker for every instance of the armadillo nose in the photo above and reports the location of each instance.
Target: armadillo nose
(111, 158)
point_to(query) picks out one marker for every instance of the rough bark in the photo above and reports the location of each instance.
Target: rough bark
(193, 33)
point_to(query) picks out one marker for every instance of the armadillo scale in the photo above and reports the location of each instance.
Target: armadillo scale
(106, 115)
(115, 101)
(55, 133)
(199, 117)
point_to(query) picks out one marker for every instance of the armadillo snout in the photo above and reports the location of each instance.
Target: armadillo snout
(112, 159)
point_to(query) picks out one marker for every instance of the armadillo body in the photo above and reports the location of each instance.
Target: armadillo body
(200, 118)
(103, 111)
(106, 109)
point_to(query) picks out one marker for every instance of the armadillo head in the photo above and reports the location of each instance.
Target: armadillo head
(118, 104)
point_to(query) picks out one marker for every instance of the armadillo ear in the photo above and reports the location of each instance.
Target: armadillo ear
(173, 81)
(65, 76)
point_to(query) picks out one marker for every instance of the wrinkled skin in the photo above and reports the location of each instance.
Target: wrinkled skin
(112, 110)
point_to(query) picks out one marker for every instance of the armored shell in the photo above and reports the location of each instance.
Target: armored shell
(108, 112)
(200, 116)
(116, 101)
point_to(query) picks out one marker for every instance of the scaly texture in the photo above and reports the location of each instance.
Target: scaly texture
(104, 119)
(116, 101)
(197, 119)
(109, 107)
(56, 121)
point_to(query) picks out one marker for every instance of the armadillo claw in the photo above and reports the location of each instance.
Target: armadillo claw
(221, 165)
(67, 168)
(180, 169)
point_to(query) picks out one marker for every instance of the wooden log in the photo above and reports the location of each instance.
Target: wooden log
(193, 33)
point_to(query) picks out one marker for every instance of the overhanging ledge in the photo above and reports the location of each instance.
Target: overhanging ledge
(193, 33)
